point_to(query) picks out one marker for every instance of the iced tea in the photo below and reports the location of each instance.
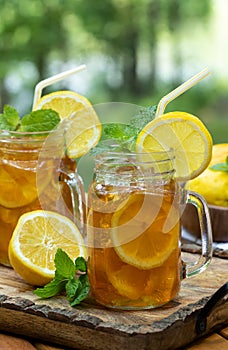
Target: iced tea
(19, 191)
(133, 237)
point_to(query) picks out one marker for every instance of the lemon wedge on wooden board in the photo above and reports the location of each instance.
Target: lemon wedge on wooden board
(35, 240)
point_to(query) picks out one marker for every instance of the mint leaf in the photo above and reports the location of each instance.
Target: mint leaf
(76, 289)
(82, 290)
(71, 289)
(145, 115)
(123, 136)
(56, 286)
(220, 167)
(80, 264)
(9, 119)
(36, 121)
(118, 131)
(64, 265)
(39, 120)
(12, 115)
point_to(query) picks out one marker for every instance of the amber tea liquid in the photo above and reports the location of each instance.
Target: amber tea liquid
(133, 237)
(18, 184)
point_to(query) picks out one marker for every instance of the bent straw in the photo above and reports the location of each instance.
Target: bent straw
(180, 90)
(54, 79)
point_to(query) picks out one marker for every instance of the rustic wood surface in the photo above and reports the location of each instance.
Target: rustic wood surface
(216, 341)
(195, 248)
(90, 326)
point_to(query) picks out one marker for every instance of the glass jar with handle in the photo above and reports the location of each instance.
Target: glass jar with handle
(35, 173)
(134, 230)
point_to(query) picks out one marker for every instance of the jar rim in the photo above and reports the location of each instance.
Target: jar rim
(28, 138)
(140, 157)
(25, 134)
(145, 165)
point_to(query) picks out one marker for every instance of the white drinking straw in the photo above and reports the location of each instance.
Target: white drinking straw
(180, 90)
(54, 79)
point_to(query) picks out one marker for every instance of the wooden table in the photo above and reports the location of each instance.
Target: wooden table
(28, 323)
(216, 341)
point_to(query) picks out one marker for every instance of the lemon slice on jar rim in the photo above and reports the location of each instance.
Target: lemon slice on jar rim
(186, 135)
(82, 123)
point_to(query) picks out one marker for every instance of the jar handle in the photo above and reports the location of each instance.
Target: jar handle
(194, 268)
(75, 184)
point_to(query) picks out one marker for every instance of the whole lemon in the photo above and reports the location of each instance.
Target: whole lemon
(213, 185)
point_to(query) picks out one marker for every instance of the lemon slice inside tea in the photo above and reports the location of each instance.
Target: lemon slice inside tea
(138, 236)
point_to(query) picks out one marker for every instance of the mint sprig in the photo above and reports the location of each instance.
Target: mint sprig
(120, 136)
(77, 289)
(118, 132)
(220, 166)
(9, 119)
(124, 132)
(39, 120)
(36, 121)
(145, 115)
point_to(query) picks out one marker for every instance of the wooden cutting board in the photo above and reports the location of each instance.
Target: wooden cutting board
(90, 326)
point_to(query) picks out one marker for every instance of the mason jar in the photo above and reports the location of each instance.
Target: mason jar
(134, 230)
(35, 173)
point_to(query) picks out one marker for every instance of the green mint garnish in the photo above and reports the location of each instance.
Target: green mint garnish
(39, 120)
(220, 166)
(123, 132)
(55, 287)
(118, 132)
(82, 291)
(71, 289)
(36, 121)
(65, 267)
(80, 264)
(146, 114)
(9, 119)
(77, 289)
(123, 136)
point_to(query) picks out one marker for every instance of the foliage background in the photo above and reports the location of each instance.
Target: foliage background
(135, 51)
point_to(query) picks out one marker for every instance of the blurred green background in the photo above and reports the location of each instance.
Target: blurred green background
(135, 52)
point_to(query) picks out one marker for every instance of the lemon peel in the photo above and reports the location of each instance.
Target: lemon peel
(186, 135)
(80, 120)
(35, 240)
